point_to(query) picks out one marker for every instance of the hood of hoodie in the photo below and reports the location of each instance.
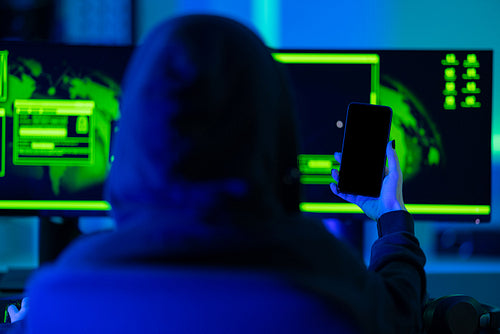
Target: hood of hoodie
(207, 128)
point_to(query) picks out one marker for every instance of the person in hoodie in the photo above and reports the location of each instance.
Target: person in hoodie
(205, 173)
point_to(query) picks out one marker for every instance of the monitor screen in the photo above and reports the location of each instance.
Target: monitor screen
(58, 108)
(442, 113)
(59, 105)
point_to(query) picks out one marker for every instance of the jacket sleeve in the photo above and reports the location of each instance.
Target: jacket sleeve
(397, 257)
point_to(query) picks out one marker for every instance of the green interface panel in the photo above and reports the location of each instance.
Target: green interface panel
(3, 75)
(371, 59)
(2, 142)
(315, 169)
(53, 132)
(441, 101)
(462, 81)
(59, 108)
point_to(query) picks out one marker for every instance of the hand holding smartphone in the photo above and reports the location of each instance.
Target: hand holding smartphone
(366, 135)
(5, 304)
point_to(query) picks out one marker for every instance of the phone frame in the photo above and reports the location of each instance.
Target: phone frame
(346, 184)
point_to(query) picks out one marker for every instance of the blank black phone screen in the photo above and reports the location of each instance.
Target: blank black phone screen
(366, 135)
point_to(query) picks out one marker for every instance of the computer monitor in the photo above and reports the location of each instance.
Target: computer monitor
(59, 105)
(58, 108)
(442, 112)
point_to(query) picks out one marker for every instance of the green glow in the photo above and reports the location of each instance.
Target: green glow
(471, 74)
(325, 164)
(471, 61)
(433, 157)
(30, 78)
(34, 67)
(59, 107)
(375, 83)
(316, 163)
(82, 125)
(415, 132)
(42, 132)
(56, 205)
(495, 144)
(307, 157)
(266, 17)
(338, 58)
(50, 118)
(316, 179)
(451, 59)
(450, 88)
(449, 103)
(105, 93)
(471, 88)
(450, 74)
(329, 208)
(470, 102)
(449, 209)
(426, 209)
(2, 142)
(42, 146)
(327, 58)
(4, 72)
(22, 87)
(105, 97)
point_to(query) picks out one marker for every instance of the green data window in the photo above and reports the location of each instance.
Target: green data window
(53, 132)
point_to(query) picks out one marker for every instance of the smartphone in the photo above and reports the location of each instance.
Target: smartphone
(366, 135)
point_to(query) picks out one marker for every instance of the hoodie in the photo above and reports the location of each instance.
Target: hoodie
(205, 174)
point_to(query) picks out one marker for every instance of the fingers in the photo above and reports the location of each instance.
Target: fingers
(335, 190)
(333, 186)
(337, 156)
(24, 303)
(335, 175)
(15, 314)
(12, 309)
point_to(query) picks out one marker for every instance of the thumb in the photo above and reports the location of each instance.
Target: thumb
(12, 309)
